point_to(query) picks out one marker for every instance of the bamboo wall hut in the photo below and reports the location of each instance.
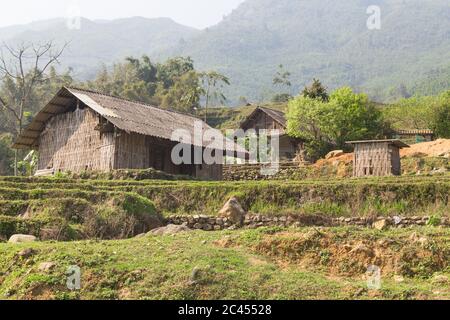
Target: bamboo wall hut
(81, 130)
(377, 157)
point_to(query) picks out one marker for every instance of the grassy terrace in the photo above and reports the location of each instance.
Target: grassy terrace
(280, 194)
(70, 204)
(77, 209)
(268, 263)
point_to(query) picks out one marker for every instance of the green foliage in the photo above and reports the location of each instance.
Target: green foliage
(409, 195)
(441, 117)
(316, 91)
(282, 80)
(184, 95)
(327, 125)
(434, 221)
(173, 85)
(69, 216)
(281, 98)
(317, 38)
(27, 166)
(6, 155)
(213, 84)
(427, 112)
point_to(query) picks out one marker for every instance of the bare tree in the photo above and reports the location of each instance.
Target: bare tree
(26, 65)
(213, 83)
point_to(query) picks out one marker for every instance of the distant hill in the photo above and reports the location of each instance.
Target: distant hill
(98, 42)
(325, 39)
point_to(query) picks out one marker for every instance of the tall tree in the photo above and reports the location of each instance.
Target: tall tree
(184, 95)
(282, 77)
(213, 84)
(25, 67)
(326, 125)
(316, 91)
(282, 81)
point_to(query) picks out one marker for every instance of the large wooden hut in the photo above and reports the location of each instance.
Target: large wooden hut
(377, 157)
(269, 119)
(80, 130)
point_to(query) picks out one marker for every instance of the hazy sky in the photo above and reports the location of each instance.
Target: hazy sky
(195, 13)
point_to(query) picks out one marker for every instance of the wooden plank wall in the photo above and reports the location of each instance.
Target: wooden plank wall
(395, 160)
(372, 159)
(263, 121)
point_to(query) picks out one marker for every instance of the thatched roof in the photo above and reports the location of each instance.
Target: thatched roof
(129, 116)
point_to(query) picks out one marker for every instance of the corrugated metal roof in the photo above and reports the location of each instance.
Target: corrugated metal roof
(415, 132)
(126, 115)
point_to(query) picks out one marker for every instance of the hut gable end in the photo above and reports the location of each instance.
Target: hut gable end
(265, 118)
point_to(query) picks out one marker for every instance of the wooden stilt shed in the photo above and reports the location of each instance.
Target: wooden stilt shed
(377, 157)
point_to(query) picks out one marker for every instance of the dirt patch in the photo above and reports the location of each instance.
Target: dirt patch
(225, 242)
(43, 291)
(437, 148)
(342, 255)
(254, 261)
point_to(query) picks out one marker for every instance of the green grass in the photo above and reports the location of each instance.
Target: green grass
(161, 268)
(74, 214)
(71, 203)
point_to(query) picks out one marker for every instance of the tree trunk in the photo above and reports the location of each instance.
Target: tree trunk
(206, 106)
(15, 162)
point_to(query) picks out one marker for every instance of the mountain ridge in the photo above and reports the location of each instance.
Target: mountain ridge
(326, 39)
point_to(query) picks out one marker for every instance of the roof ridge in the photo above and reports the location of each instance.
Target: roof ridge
(275, 110)
(130, 100)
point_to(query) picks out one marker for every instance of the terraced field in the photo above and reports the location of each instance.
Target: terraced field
(68, 209)
(266, 263)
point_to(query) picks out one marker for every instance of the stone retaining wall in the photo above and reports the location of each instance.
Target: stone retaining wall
(253, 172)
(252, 221)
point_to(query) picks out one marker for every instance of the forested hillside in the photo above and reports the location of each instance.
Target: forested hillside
(325, 39)
(329, 39)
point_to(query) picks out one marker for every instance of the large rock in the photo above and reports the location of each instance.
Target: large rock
(46, 266)
(26, 253)
(233, 211)
(21, 238)
(169, 229)
(334, 154)
(440, 279)
(382, 224)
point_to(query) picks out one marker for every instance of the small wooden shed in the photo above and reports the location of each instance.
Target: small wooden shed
(377, 157)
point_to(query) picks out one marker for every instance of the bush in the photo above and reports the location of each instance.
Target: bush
(327, 125)
(6, 155)
(432, 112)
(117, 217)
